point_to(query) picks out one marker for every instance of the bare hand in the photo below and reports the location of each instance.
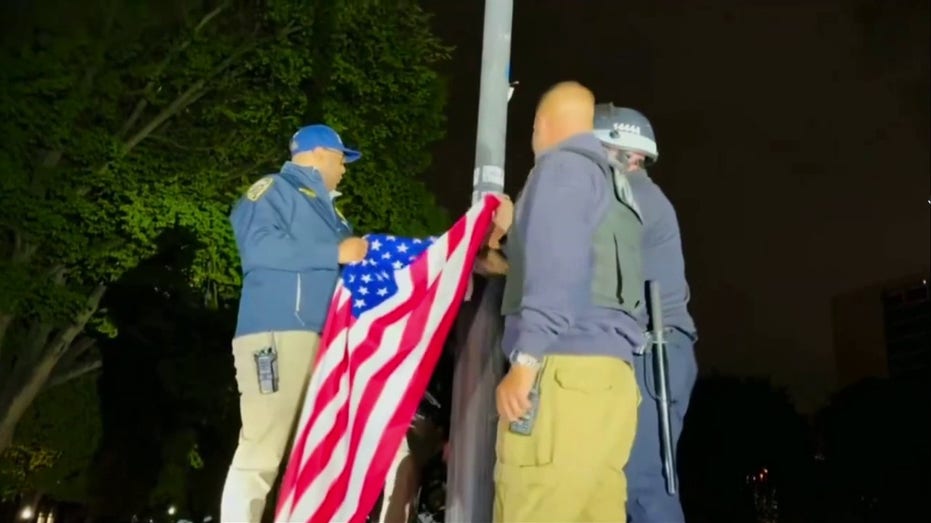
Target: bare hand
(504, 217)
(513, 393)
(492, 263)
(353, 249)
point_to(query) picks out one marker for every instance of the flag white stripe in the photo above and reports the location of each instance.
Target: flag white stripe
(445, 270)
(397, 385)
(337, 462)
(333, 357)
(326, 365)
(379, 416)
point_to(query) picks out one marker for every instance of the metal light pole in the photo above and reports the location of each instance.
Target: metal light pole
(493, 99)
(479, 361)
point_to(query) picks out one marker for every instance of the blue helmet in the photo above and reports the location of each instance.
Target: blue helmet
(626, 129)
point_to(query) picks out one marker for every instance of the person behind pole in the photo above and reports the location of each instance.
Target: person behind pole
(410, 481)
(292, 241)
(568, 404)
(629, 139)
(424, 440)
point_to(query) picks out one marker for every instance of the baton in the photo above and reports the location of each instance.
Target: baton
(661, 375)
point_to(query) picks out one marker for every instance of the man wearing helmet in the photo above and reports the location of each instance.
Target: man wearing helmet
(631, 144)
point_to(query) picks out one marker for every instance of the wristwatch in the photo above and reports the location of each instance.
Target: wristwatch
(527, 360)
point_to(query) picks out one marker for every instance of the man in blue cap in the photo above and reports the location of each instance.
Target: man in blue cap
(292, 241)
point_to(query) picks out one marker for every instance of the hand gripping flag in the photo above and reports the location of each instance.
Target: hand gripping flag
(384, 332)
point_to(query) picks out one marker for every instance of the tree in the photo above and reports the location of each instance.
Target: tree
(55, 444)
(153, 117)
(876, 434)
(742, 442)
(169, 404)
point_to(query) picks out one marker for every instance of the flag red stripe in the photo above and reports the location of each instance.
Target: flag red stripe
(412, 336)
(297, 452)
(416, 308)
(330, 390)
(296, 465)
(372, 387)
(374, 478)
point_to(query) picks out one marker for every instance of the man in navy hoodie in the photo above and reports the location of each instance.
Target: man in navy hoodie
(292, 241)
(568, 403)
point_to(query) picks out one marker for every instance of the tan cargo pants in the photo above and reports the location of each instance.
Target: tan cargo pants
(267, 419)
(571, 467)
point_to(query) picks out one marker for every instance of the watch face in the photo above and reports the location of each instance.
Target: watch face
(527, 360)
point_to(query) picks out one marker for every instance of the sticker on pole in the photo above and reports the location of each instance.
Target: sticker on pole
(487, 179)
(488, 175)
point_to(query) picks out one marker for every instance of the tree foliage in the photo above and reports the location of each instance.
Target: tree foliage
(875, 440)
(55, 444)
(124, 122)
(744, 452)
(170, 407)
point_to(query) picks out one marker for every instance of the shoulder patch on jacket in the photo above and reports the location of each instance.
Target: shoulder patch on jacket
(258, 188)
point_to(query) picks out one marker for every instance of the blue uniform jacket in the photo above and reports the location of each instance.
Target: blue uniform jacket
(288, 233)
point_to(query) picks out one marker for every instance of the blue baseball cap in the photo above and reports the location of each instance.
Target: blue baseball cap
(313, 136)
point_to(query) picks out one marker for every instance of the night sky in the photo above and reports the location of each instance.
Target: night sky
(794, 143)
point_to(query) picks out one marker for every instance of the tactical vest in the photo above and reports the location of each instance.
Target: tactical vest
(617, 276)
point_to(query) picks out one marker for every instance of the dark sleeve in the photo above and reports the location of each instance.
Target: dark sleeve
(557, 232)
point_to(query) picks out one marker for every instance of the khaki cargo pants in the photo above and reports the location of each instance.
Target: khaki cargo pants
(268, 420)
(571, 467)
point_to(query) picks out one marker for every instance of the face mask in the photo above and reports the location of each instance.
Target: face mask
(620, 160)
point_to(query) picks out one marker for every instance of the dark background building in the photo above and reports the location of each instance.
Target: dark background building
(907, 321)
(883, 330)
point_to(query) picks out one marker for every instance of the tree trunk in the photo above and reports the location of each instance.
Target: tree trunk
(30, 376)
(15, 399)
(5, 320)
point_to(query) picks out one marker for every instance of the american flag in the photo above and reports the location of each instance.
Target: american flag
(388, 319)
